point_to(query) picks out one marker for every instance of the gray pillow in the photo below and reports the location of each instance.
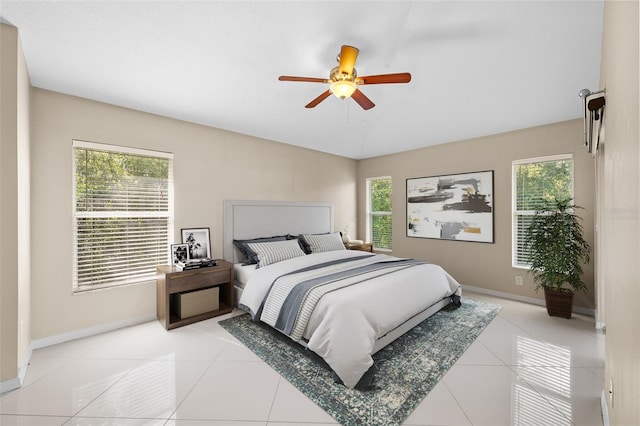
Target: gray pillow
(276, 251)
(324, 242)
(250, 256)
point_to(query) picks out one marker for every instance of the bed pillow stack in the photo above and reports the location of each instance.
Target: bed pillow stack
(268, 250)
(250, 256)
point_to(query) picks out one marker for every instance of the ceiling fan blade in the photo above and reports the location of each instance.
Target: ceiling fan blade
(362, 100)
(319, 99)
(305, 79)
(402, 77)
(348, 55)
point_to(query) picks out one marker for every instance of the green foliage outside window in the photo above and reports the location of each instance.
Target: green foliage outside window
(381, 195)
(105, 178)
(381, 232)
(381, 218)
(538, 185)
(122, 217)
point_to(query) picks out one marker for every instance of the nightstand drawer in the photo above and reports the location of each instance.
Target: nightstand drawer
(191, 280)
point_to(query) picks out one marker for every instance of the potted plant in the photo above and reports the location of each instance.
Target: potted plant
(557, 251)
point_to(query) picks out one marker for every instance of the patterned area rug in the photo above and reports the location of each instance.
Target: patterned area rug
(407, 369)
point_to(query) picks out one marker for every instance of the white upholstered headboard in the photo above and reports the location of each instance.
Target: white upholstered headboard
(254, 219)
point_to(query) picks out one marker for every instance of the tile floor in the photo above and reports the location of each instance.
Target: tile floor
(526, 368)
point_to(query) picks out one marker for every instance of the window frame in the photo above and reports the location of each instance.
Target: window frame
(515, 213)
(94, 146)
(370, 213)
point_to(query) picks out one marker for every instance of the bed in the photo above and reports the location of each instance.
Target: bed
(352, 303)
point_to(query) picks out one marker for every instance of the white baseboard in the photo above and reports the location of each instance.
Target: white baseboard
(16, 382)
(532, 300)
(91, 331)
(604, 408)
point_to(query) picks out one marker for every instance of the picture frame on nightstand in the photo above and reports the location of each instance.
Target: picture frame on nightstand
(179, 253)
(198, 241)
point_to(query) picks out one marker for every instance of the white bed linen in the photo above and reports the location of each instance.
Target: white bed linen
(345, 325)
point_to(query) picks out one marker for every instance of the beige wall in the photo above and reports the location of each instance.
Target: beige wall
(210, 165)
(479, 264)
(619, 207)
(15, 210)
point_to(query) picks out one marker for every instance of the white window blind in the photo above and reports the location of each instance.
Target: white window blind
(536, 183)
(123, 214)
(379, 216)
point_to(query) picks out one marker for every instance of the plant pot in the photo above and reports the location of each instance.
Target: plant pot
(559, 302)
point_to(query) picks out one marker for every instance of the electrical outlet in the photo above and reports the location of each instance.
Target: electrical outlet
(519, 280)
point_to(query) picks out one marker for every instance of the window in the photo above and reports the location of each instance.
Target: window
(379, 212)
(123, 214)
(536, 181)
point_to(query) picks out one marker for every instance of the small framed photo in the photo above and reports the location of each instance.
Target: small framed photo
(198, 243)
(179, 253)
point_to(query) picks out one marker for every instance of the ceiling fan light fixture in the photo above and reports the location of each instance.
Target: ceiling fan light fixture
(344, 81)
(343, 88)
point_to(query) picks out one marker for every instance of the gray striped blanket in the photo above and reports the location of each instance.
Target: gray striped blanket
(292, 297)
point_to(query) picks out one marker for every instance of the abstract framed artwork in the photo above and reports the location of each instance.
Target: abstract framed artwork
(451, 207)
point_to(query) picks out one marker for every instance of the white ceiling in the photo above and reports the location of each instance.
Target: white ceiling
(478, 67)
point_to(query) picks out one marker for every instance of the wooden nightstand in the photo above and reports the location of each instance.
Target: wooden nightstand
(362, 247)
(171, 283)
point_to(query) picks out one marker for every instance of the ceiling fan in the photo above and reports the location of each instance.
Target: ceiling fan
(343, 80)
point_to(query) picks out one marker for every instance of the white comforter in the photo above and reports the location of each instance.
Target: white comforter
(345, 324)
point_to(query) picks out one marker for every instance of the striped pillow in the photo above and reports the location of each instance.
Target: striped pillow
(276, 251)
(250, 257)
(324, 242)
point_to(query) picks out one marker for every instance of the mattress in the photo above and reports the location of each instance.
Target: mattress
(242, 273)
